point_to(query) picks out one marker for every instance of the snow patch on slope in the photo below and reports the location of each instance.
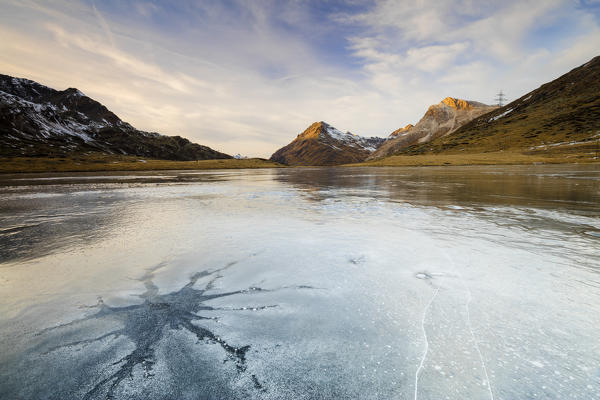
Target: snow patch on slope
(351, 139)
(47, 116)
(505, 113)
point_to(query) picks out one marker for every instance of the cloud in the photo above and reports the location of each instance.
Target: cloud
(434, 58)
(470, 49)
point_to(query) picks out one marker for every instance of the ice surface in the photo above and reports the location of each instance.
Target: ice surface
(466, 283)
(96, 177)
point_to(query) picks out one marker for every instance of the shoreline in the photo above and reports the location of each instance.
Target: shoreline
(109, 163)
(483, 158)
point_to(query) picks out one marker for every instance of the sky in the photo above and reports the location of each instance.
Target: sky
(247, 76)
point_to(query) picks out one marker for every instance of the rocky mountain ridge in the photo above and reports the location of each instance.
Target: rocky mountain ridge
(322, 144)
(440, 119)
(36, 120)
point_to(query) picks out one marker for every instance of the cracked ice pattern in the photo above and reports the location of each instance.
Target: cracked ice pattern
(144, 325)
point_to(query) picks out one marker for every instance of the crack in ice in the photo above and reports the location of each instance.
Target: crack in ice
(426, 341)
(488, 384)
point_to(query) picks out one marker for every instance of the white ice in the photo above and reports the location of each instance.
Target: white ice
(375, 299)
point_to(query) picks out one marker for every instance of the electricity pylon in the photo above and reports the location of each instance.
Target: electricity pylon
(500, 99)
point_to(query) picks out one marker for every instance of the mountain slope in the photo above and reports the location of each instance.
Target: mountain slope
(440, 119)
(558, 118)
(36, 120)
(322, 144)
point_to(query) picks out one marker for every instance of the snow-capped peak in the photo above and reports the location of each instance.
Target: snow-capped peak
(350, 139)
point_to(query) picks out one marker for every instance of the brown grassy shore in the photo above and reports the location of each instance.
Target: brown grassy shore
(105, 162)
(484, 158)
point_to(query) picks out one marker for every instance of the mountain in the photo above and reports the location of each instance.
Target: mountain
(36, 120)
(560, 118)
(400, 131)
(440, 119)
(322, 144)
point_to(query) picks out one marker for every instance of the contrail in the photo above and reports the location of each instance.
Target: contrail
(104, 25)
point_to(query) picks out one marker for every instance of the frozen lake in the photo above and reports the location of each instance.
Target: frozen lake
(390, 283)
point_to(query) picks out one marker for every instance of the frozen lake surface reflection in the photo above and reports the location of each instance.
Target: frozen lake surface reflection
(363, 283)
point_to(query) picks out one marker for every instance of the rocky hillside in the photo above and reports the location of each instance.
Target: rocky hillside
(561, 117)
(440, 120)
(37, 121)
(322, 144)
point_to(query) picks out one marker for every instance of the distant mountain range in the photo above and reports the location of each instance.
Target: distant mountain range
(559, 117)
(322, 144)
(38, 121)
